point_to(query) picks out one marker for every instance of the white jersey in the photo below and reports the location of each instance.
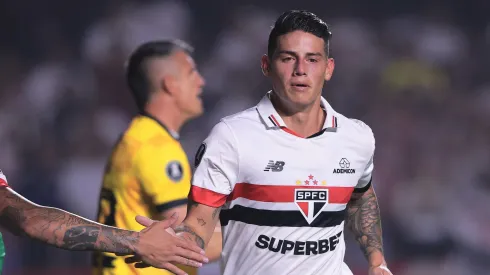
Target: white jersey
(283, 197)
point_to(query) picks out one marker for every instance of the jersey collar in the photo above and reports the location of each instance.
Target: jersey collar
(272, 119)
(173, 134)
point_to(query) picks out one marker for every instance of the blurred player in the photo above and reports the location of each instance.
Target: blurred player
(68, 231)
(284, 176)
(148, 172)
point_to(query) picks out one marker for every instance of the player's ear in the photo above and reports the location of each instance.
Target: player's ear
(168, 84)
(265, 64)
(330, 68)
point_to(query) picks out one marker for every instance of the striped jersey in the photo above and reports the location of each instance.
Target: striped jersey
(283, 197)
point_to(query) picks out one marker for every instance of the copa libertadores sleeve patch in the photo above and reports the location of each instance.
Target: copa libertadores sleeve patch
(199, 154)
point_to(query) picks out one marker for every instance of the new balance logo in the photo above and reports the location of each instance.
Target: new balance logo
(344, 167)
(275, 166)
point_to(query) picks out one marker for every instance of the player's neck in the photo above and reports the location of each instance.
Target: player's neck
(305, 122)
(169, 116)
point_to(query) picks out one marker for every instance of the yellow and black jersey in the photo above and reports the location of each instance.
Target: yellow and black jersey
(148, 172)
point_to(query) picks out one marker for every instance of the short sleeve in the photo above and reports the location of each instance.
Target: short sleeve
(216, 170)
(161, 173)
(3, 180)
(365, 181)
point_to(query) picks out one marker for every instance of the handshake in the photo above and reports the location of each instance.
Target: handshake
(156, 245)
(160, 247)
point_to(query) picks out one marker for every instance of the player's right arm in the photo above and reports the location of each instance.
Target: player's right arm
(199, 224)
(216, 174)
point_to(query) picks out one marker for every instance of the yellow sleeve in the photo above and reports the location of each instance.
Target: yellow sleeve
(163, 175)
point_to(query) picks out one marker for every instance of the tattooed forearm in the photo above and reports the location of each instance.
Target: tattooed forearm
(200, 223)
(62, 229)
(100, 238)
(187, 233)
(363, 218)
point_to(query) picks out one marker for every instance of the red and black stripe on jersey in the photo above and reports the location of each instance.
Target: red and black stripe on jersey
(272, 194)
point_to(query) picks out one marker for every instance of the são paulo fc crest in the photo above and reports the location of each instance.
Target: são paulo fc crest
(311, 202)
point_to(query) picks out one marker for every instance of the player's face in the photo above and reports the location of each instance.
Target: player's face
(298, 68)
(190, 83)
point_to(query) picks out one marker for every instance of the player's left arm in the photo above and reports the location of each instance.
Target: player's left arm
(364, 218)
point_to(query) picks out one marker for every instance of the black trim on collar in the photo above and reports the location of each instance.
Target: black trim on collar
(145, 114)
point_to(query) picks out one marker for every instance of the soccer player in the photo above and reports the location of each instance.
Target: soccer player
(285, 176)
(148, 172)
(68, 231)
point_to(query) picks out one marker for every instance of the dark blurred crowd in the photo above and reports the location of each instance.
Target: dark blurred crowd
(416, 72)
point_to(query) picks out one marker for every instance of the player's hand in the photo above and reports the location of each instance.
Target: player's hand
(158, 248)
(380, 270)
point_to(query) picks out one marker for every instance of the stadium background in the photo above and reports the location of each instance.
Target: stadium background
(416, 71)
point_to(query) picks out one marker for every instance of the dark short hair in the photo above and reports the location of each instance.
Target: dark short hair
(136, 71)
(299, 20)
